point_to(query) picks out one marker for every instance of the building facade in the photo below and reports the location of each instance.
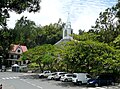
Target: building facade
(15, 53)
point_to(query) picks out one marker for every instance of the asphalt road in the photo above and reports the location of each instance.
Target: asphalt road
(11, 80)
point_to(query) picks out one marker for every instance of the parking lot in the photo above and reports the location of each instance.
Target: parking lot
(11, 80)
(53, 84)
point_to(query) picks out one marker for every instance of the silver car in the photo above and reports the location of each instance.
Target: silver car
(51, 76)
(58, 75)
(66, 77)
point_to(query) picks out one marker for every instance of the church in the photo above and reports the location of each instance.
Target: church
(67, 33)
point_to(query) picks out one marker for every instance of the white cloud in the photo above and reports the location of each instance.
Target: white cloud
(49, 13)
(83, 13)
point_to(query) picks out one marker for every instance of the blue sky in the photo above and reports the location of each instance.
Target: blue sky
(83, 13)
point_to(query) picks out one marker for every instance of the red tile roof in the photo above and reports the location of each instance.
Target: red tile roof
(24, 48)
(14, 48)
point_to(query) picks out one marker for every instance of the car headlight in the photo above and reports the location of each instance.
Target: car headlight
(91, 81)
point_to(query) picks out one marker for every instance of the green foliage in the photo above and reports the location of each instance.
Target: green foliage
(86, 36)
(5, 41)
(25, 32)
(18, 6)
(107, 25)
(84, 54)
(50, 34)
(89, 56)
(42, 55)
(116, 42)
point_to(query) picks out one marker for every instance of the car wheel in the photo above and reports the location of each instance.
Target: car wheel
(59, 78)
(79, 83)
(66, 80)
(52, 78)
(96, 85)
(112, 83)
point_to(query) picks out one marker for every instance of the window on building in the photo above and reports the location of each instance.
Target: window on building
(18, 51)
(11, 56)
(18, 56)
(15, 56)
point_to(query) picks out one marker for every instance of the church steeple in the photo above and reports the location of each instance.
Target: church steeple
(67, 31)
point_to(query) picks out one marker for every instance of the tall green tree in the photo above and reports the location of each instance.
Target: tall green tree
(90, 56)
(17, 6)
(25, 32)
(41, 55)
(5, 41)
(50, 34)
(108, 24)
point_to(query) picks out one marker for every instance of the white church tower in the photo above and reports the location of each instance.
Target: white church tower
(68, 31)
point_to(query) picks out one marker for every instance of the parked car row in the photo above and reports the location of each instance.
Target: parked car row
(80, 78)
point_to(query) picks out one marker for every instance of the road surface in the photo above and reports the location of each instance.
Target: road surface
(12, 80)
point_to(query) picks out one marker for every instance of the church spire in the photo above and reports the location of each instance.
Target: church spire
(67, 31)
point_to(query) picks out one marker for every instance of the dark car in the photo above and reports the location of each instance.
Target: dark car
(102, 80)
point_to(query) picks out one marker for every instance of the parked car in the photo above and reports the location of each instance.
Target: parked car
(80, 78)
(51, 76)
(45, 74)
(58, 75)
(66, 77)
(103, 79)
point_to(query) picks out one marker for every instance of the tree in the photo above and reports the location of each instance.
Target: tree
(49, 34)
(5, 42)
(108, 24)
(86, 36)
(116, 42)
(41, 55)
(25, 32)
(90, 56)
(18, 6)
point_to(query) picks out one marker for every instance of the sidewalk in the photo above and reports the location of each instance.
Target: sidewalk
(6, 86)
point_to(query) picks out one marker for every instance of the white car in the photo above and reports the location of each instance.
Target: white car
(51, 76)
(44, 74)
(80, 78)
(66, 77)
(58, 75)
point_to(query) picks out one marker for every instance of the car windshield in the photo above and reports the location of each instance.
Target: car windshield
(88, 76)
(69, 75)
(53, 74)
(62, 73)
(74, 76)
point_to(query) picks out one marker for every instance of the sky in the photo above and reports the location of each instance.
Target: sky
(82, 13)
